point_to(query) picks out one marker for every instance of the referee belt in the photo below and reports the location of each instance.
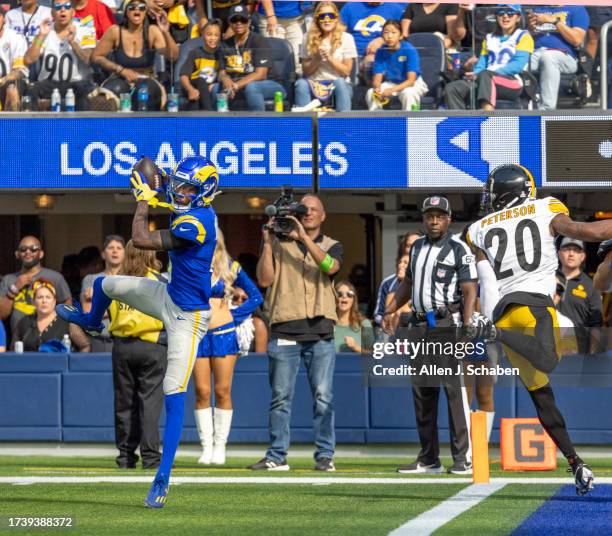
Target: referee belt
(442, 312)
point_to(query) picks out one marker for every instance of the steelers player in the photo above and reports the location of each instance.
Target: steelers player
(182, 305)
(516, 263)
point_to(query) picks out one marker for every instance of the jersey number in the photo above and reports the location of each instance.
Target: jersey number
(3, 69)
(519, 243)
(63, 66)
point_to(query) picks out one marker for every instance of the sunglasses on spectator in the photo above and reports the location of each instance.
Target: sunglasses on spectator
(66, 6)
(33, 249)
(239, 20)
(326, 17)
(139, 7)
(509, 12)
(347, 294)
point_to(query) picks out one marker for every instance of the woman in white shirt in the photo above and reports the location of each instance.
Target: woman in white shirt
(327, 57)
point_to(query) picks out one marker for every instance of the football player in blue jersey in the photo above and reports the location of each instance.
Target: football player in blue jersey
(182, 305)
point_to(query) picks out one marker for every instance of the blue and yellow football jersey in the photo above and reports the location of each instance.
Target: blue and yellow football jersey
(189, 285)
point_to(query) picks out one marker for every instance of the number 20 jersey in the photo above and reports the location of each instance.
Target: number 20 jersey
(520, 246)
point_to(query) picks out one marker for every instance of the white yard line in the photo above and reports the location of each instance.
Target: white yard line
(281, 480)
(431, 520)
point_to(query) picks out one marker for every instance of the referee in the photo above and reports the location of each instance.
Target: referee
(441, 281)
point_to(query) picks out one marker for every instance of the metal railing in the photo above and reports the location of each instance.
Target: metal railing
(603, 59)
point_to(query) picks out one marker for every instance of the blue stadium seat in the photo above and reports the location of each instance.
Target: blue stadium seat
(433, 64)
(283, 60)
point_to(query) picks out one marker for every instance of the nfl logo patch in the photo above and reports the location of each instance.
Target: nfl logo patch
(441, 272)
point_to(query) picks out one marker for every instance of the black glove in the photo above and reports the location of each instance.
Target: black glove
(604, 249)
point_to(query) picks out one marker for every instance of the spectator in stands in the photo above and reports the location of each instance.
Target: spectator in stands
(445, 20)
(26, 18)
(353, 332)
(134, 44)
(504, 55)
(225, 339)
(580, 301)
(2, 337)
(364, 21)
(94, 14)
(396, 72)
(405, 245)
(302, 309)
(327, 57)
(44, 326)
(12, 69)
(65, 47)
(246, 68)
(402, 267)
(391, 282)
(284, 19)
(200, 70)
(113, 255)
(17, 295)
(558, 31)
(90, 261)
(598, 16)
(139, 364)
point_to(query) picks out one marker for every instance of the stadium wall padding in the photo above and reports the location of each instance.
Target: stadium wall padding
(365, 151)
(51, 397)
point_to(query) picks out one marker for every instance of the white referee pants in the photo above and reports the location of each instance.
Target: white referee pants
(185, 329)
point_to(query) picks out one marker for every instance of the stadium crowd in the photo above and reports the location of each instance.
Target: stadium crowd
(151, 55)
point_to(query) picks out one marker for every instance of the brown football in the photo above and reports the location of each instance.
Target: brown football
(149, 173)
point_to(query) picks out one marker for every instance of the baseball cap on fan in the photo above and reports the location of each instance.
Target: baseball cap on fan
(436, 202)
(567, 241)
(238, 11)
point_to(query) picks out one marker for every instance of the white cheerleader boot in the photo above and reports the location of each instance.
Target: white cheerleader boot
(223, 423)
(204, 422)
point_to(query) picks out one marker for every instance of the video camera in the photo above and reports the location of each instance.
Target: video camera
(283, 207)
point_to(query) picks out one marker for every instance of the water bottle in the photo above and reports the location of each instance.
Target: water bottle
(278, 101)
(222, 102)
(143, 98)
(69, 107)
(173, 102)
(19, 347)
(66, 342)
(56, 101)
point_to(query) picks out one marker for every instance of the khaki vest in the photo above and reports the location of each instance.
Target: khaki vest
(300, 289)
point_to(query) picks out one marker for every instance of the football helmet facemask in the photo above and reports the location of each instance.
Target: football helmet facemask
(193, 184)
(507, 186)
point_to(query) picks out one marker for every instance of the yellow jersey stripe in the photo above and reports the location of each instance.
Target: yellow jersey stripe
(192, 352)
(193, 221)
(558, 208)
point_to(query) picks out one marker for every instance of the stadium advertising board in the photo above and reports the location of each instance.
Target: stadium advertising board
(364, 152)
(424, 151)
(68, 153)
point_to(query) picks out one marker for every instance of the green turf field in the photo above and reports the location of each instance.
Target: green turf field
(319, 508)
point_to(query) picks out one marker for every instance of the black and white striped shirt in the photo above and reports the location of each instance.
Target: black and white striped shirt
(436, 269)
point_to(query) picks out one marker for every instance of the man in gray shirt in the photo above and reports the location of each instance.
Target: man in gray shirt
(16, 296)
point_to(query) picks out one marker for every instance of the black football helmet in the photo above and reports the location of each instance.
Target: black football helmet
(507, 186)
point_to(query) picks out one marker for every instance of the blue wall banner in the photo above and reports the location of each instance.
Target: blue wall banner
(68, 153)
(423, 151)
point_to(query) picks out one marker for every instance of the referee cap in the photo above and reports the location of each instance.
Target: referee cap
(436, 202)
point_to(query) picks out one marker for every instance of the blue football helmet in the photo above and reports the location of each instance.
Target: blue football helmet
(196, 171)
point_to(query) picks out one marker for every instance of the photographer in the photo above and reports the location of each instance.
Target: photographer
(298, 267)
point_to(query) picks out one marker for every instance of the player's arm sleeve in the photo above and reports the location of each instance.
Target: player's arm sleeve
(188, 229)
(254, 300)
(489, 293)
(465, 264)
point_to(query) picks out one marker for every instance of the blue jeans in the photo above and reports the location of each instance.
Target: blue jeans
(255, 94)
(320, 359)
(343, 94)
